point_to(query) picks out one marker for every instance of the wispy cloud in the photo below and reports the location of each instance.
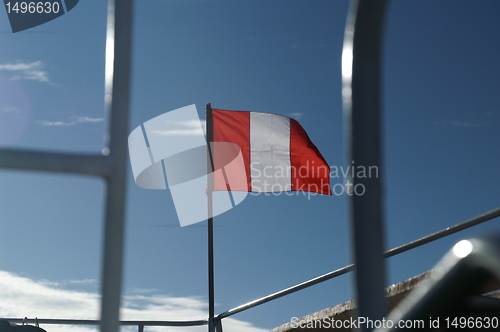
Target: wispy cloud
(74, 120)
(296, 115)
(25, 297)
(81, 282)
(461, 124)
(92, 282)
(9, 109)
(183, 128)
(27, 71)
(145, 290)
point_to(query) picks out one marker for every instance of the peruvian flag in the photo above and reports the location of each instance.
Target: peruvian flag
(276, 154)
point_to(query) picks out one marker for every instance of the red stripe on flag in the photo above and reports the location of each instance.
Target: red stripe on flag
(310, 171)
(233, 127)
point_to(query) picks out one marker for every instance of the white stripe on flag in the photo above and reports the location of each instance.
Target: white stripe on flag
(270, 152)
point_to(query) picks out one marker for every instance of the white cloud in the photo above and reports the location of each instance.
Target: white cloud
(27, 71)
(86, 119)
(24, 297)
(81, 282)
(52, 123)
(179, 132)
(10, 109)
(74, 120)
(186, 128)
(145, 290)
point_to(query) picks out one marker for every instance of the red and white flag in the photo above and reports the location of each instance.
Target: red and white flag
(277, 154)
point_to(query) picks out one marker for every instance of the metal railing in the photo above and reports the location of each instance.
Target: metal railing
(361, 58)
(366, 16)
(112, 167)
(325, 277)
(89, 322)
(348, 268)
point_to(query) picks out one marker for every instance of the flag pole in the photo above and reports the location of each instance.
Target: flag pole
(210, 186)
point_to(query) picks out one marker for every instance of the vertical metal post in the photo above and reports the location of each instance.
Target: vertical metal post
(218, 326)
(117, 85)
(361, 97)
(210, 186)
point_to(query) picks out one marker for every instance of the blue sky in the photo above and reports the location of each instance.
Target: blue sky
(441, 111)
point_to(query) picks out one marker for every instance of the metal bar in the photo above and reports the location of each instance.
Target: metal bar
(218, 326)
(210, 186)
(117, 88)
(97, 322)
(89, 164)
(330, 275)
(361, 97)
(444, 232)
(286, 291)
(468, 270)
(389, 253)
